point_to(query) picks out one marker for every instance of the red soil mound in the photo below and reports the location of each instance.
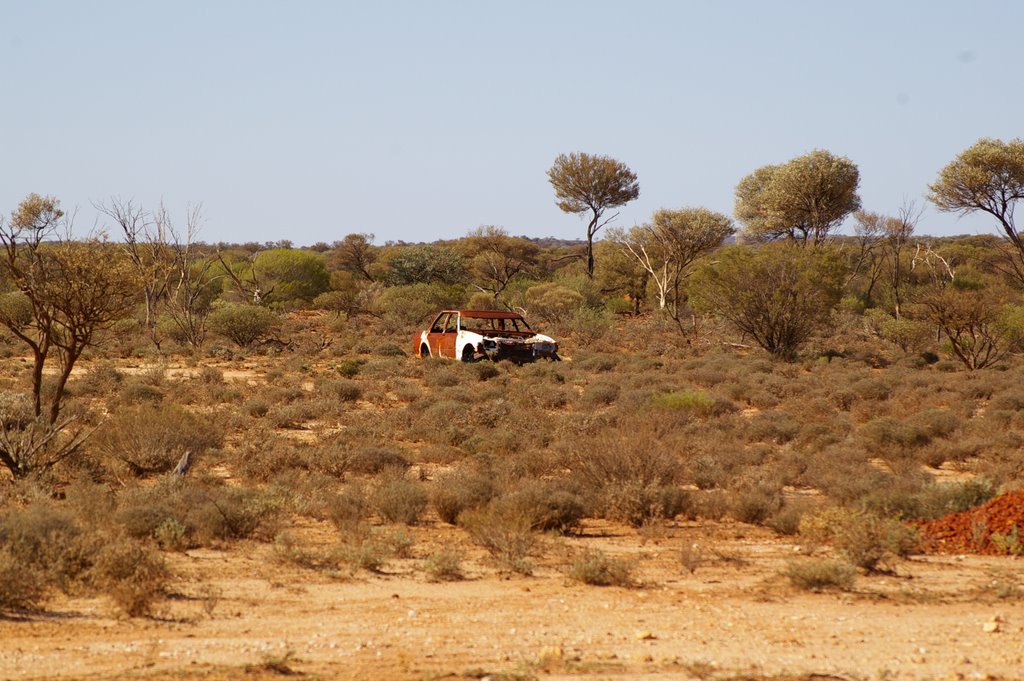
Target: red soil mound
(972, 531)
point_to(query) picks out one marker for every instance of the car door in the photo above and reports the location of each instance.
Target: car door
(446, 344)
(436, 333)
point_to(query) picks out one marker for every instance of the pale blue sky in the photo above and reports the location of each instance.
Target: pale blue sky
(422, 120)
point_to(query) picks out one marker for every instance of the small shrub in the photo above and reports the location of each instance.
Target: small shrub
(103, 379)
(1008, 401)
(136, 392)
(389, 350)
(207, 512)
(400, 501)
(349, 368)
(328, 458)
(211, 376)
(1009, 544)
(293, 416)
(505, 532)
(172, 535)
(151, 439)
(461, 489)
(132, 574)
(47, 543)
(242, 324)
(486, 371)
(636, 503)
(712, 505)
(690, 556)
(598, 569)
(708, 472)
(600, 394)
(347, 510)
(22, 586)
(817, 575)
(371, 553)
(444, 566)
(882, 435)
(257, 408)
(372, 460)
(775, 427)
(872, 389)
(342, 389)
(941, 499)
(786, 520)
(686, 401)
(287, 549)
(754, 503)
(864, 539)
(550, 507)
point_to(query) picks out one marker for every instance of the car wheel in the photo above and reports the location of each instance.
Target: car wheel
(468, 353)
(424, 351)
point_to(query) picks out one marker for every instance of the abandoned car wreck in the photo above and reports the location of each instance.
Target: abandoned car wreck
(483, 334)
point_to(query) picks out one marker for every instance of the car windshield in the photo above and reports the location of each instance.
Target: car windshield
(494, 324)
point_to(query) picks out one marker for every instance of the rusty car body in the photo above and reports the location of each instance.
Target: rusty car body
(483, 334)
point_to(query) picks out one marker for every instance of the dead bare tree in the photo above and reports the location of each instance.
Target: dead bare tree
(247, 284)
(190, 288)
(146, 242)
(898, 232)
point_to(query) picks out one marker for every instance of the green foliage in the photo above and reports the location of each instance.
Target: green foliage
(987, 177)
(415, 305)
(552, 302)
(803, 199)
(15, 309)
(497, 258)
(685, 401)
(666, 248)
(981, 325)
(410, 265)
(589, 325)
(779, 294)
(286, 276)
(243, 324)
(908, 334)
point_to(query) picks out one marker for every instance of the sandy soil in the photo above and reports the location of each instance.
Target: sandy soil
(242, 613)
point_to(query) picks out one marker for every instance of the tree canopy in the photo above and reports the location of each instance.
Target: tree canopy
(803, 199)
(667, 246)
(590, 183)
(986, 177)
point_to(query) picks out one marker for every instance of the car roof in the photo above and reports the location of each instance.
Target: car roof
(489, 314)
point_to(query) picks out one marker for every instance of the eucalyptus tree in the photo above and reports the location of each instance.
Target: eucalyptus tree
(802, 200)
(987, 177)
(591, 184)
(668, 245)
(62, 294)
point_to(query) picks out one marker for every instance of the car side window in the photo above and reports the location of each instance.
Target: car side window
(450, 327)
(439, 323)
